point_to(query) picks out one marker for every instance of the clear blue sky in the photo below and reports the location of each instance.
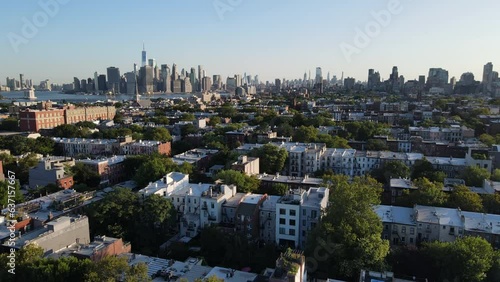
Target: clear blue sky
(272, 38)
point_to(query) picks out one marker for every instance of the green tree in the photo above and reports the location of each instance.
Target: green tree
(350, 230)
(465, 259)
(85, 174)
(376, 145)
(4, 191)
(465, 199)
(495, 176)
(491, 203)
(305, 134)
(271, 158)
(474, 176)
(158, 134)
(244, 183)
(423, 168)
(391, 169)
(428, 194)
(9, 124)
(487, 139)
(214, 120)
(153, 169)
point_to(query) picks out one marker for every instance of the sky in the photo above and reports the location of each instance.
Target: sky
(269, 38)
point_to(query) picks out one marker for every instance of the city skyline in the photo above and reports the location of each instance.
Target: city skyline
(290, 42)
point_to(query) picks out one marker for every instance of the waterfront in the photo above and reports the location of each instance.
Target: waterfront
(57, 96)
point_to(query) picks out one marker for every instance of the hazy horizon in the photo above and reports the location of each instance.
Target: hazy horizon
(272, 39)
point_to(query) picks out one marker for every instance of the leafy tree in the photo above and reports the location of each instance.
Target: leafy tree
(474, 176)
(153, 169)
(423, 168)
(465, 259)
(214, 120)
(187, 117)
(376, 145)
(271, 158)
(391, 169)
(495, 176)
(243, 182)
(428, 194)
(351, 230)
(305, 134)
(284, 129)
(4, 190)
(158, 134)
(112, 268)
(9, 124)
(465, 199)
(85, 174)
(487, 139)
(491, 203)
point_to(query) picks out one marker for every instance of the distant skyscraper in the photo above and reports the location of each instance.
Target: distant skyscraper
(144, 56)
(113, 79)
(217, 81)
(328, 78)
(131, 82)
(174, 72)
(257, 81)
(200, 76)
(146, 79)
(319, 75)
(77, 84)
(102, 82)
(237, 77)
(21, 80)
(277, 84)
(96, 81)
(487, 78)
(152, 63)
(437, 77)
(207, 83)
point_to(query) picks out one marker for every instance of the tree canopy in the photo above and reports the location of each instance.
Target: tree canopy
(243, 182)
(271, 158)
(350, 230)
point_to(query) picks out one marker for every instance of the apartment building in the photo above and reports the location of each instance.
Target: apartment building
(168, 184)
(111, 170)
(305, 159)
(297, 213)
(247, 165)
(51, 170)
(35, 120)
(199, 158)
(411, 226)
(109, 147)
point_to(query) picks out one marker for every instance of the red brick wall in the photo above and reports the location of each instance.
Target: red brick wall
(65, 183)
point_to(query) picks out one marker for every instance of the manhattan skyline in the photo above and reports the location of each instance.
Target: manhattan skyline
(272, 40)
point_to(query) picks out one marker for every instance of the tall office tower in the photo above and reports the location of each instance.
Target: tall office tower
(131, 82)
(217, 82)
(123, 84)
(309, 78)
(146, 79)
(102, 82)
(90, 85)
(174, 73)
(96, 81)
(114, 79)
(230, 84)
(207, 83)
(453, 81)
(183, 74)
(487, 78)
(421, 80)
(328, 78)
(192, 79)
(249, 80)
(152, 63)
(83, 85)
(304, 81)
(319, 75)
(277, 85)
(394, 75)
(237, 77)
(200, 76)
(144, 57)
(186, 86)
(21, 80)
(177, 86)
(437, 77)
(369, 84)
(76, 82)
(256, 80)
(156, 72)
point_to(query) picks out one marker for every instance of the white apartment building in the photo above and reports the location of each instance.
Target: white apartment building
(297, 213)
(170, 183)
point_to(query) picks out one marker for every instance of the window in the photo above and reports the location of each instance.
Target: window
(314, 214)
(303, 222)
(411, 240)
(304, 212)
(403, 239)
(282, 211)
(292, 222)
(292, 212)
(282, 230)
(291, 232)
(212, 205)
(412, 230)
(403, 229)
(282, 221)
(387, 227)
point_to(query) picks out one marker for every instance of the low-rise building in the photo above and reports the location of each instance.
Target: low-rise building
(101, 247)
(247, 165)
(111, 170)
(51, 170)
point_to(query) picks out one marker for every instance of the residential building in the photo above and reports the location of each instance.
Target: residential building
(51, 170)
(168, 184)
(267, 219)
(111, 170)
(101, 247)
(247, 165)
(297, 213)
(247, 215)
